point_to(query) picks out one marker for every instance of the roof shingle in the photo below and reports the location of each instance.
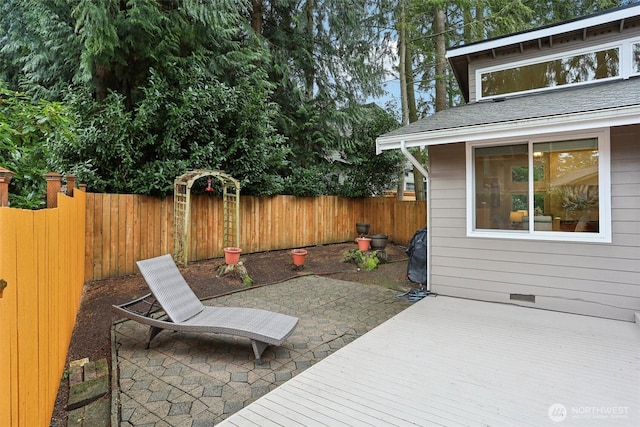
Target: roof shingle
(558, 102)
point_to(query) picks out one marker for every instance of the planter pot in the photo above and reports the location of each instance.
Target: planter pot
(298, 256)
(363, 243)
(379, 241)
(362, 228)
(232, 255)
(568, 225)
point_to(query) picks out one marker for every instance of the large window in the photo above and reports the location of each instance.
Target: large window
(579, 68)
(541, 188)
(605, 62)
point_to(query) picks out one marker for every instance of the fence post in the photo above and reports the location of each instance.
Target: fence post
(71, 183)
(83, 187)
(5, 179)
(54, 183)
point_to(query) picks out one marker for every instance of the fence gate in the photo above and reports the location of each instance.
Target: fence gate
(182, 212)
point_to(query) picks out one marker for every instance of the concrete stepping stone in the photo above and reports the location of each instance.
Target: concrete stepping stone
(89, 401)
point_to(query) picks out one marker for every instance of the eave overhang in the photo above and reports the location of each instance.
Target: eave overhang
(460, 57)
(621, 116)
(576, 25)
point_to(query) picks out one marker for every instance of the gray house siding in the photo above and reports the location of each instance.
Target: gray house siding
(586, 278)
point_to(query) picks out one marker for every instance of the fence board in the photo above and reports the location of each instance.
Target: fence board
(90, 236)
(44, 315)
(28, 332)
(127, 251)
(107, 249)
(8, 316)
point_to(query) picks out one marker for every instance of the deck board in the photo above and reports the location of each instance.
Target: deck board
(449, 361)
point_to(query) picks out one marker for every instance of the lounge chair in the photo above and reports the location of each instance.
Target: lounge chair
(172, 305)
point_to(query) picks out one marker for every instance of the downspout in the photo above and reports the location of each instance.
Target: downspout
(423, 171)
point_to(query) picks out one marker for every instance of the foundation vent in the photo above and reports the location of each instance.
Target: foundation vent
(522, 297)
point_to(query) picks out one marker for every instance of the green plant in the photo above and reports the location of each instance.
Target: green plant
(370, 263)
(366, 260)
(187, 119)
(28, 131)
(575, 198)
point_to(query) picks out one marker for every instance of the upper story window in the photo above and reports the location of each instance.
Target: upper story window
(542, 188)
(598, 63)
(635, 58)
(572, 69)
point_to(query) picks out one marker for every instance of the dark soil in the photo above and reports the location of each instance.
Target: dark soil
(92, 333)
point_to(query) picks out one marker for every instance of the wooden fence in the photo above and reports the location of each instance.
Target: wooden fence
(42, 262)
(122, 229)
(47, 255)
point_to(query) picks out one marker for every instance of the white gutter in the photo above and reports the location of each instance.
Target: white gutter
(424, 172)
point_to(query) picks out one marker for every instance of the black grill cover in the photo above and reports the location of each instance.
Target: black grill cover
(417, 251)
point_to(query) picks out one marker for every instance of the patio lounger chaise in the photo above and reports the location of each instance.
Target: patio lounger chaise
(173, 305)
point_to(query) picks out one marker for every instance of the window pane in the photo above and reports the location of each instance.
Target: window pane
(570, 190)
(501, 186)
(558, 72)
(635, 57)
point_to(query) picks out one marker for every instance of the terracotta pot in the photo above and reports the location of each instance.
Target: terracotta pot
(363, 243)
(362, 228)
(298, 256)
(378, 241)
(232, 255)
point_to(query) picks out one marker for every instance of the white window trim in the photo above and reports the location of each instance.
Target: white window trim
(604, 188)
(624, 48)
(627, 58)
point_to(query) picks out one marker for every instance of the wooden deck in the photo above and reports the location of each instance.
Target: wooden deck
(448, 361)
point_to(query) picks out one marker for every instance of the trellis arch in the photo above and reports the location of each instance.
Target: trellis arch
(182, 212)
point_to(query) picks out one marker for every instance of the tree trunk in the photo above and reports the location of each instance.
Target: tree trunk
(411, 90)
(441, 68)
(256, 15)
(400, 187)
(101, 78)
(402, 53)
(412, 109)
(309, 71)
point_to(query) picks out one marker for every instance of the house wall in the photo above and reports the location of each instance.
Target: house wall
(587, 278)
(559, 44)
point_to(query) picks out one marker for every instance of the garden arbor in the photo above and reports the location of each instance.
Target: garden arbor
(181, 210)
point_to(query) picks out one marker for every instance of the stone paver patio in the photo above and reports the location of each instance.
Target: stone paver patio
(199, 380)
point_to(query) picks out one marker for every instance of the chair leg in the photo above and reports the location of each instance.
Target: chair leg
(258, 349)
(153, 331)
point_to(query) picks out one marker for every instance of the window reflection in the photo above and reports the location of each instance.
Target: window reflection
(562, 186)
(494, 182)
(572, 188)
(558, 72)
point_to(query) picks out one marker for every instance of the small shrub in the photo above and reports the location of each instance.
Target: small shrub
(370, 263)
(366, 260)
